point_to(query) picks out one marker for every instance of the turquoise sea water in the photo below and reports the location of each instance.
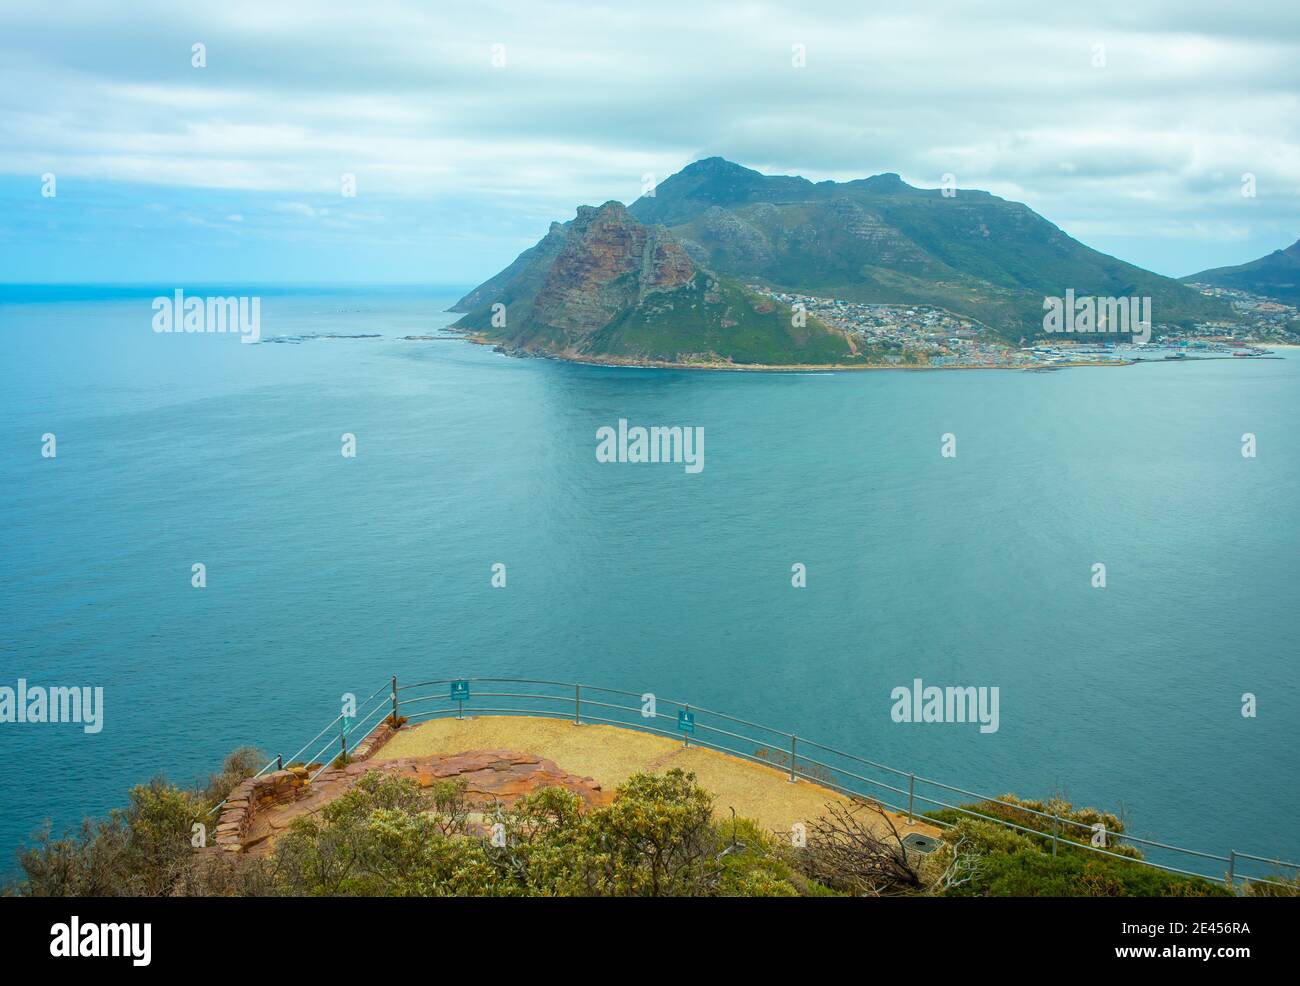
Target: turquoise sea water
(328, 575)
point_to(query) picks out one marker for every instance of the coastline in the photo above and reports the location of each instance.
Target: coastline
(627, 363)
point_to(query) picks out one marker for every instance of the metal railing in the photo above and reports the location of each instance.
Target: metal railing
(322, 759)
(845, 773)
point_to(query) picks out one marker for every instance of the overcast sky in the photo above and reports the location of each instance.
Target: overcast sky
(1128, 124)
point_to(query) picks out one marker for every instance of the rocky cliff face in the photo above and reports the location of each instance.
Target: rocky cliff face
(609, 262)
(607, 286)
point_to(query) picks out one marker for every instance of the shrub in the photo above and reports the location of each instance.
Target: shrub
(993, 861)
(386, 836)
(1034, 873)
(238, 766)
(1028, 814)
(758, 864)
(656, 839)
(141, 850)
(1279, 885)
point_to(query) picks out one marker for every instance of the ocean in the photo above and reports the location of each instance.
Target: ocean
(328, 574)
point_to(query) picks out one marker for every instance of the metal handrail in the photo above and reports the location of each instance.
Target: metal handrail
(573, 702)
(280, 761)
(1265, 859)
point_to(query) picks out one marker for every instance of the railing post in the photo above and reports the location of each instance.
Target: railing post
(1232, 869)
(794, 741)
(1055, 820)
(577, 704)
(394, 701)
(911, 791)
(279, 762)
(686, 737)
(343, 741)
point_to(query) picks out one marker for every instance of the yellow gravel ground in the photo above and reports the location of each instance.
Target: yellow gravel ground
(610, 754)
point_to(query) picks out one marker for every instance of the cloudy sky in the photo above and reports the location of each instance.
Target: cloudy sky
(469, 126)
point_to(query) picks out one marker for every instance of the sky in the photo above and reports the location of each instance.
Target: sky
(468, 127)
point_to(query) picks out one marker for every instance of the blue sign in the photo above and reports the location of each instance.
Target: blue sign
(460, 691)
(685, 721)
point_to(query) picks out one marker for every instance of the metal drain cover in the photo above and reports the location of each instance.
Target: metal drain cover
(918, 843)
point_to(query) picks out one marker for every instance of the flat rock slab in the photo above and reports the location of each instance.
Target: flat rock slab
(490, 776)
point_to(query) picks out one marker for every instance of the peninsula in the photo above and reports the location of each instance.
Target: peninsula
(720, 266)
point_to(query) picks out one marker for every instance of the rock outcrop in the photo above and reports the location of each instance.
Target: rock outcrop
(609, 263)
(607, 287)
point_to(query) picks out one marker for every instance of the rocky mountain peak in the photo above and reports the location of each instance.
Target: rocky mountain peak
(608, 261)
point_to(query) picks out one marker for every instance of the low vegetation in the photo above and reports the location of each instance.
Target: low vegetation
(386, 836)
(986, 859)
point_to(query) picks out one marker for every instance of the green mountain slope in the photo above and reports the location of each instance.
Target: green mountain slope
(666, 279)
(882, 240)
(1276, 276)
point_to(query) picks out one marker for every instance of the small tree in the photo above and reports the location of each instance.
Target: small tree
(140, 850)
(336, 852)
(656, 839)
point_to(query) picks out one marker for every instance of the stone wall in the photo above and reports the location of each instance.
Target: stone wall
(281, 787)
(277, 787)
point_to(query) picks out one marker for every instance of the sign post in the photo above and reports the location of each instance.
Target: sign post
(686, 723)
(460, 695)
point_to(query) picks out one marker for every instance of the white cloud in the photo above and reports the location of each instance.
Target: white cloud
(296, 209)
(404, 96)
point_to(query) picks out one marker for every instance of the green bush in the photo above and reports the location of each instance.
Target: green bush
(1026, 814)
(1001, 862)
(1034, 873)
(140, 850)
(386, 836)
(758, 864)
(1279, 885)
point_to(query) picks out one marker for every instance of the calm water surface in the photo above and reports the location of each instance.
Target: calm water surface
(328, 575)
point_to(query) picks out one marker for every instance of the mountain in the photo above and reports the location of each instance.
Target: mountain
(605, 286)
(882, 240)
(1276, 276)
(667, 278)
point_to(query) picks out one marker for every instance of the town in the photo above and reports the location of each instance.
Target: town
(929, 336)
